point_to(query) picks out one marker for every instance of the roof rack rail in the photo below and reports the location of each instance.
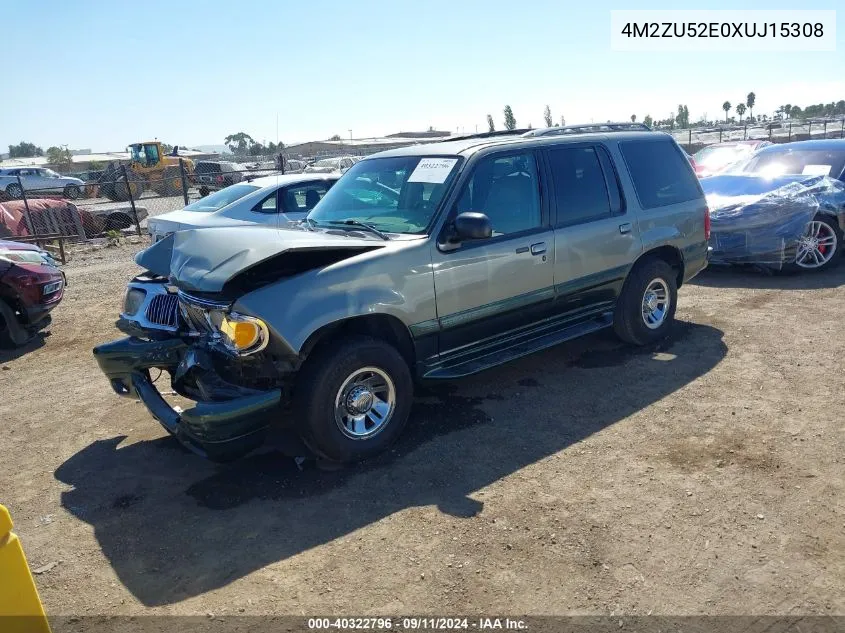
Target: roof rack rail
(519, 132)
(588, 128)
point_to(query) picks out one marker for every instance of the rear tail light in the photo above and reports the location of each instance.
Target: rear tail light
(706, 223)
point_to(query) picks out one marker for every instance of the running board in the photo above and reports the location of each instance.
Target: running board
(523, 345)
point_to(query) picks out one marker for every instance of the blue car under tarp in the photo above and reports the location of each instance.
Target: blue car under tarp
(759, 220)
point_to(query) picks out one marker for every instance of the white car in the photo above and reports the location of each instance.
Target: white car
(269, 201)
(36, 179)
(339, 163)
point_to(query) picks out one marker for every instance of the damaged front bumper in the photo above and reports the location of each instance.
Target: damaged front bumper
(229, 422)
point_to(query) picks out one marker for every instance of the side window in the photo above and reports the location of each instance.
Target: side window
(303, 198)
(268, 204)
(661, 174)
(580, 188)
(505, 188)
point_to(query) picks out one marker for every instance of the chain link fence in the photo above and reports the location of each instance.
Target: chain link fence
(694, 139)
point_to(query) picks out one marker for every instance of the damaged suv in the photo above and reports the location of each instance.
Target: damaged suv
(429, 262)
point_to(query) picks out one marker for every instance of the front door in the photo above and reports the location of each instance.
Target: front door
(487, 287)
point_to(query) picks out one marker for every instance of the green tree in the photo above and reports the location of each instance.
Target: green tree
(726, 106)
(740, 110)
(239, 143)
(795, 111)
(336, 137)
(256, 149)
(547, 116)
(787, 110)
(166, 148)
(25, 150)
(59, 157)
(510, 121)
(648, 120)
(633, 118)
(682, 118)
(750, 100)
(491, 127)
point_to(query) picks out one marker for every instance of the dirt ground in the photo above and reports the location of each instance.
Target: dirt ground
(704, 476)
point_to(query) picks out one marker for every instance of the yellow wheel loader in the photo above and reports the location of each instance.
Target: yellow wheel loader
(149, 168)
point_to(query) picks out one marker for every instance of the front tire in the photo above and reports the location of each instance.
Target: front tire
(72, 192)
(645, 311)
(14, 191)
(353, 399)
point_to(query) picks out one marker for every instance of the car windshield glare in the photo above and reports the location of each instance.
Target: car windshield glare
(220, 199)
(815, 162)
(394, 194)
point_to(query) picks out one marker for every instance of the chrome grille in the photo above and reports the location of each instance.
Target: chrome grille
(164, 310)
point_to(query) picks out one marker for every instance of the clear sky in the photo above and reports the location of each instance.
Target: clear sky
(99, 75)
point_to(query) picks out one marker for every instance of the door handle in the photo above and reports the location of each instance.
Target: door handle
(625, 228)
(538, 249)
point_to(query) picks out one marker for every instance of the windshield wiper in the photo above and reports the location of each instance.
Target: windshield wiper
(361, 225)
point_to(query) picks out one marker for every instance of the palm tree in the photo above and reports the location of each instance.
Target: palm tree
(787, 110)
(740, 110)
(633, 118)
(749, 101)
(726, 106)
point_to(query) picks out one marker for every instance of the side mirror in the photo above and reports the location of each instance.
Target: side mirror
(471, 225)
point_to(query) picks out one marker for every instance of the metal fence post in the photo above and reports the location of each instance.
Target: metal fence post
(689, 140)
(770, 134)
(790, 130)
(720, 135)
(825, 128)
(842, 129)
(745, 132)
(810, 130)
(29, 224)
(184, 181)
(131, 200)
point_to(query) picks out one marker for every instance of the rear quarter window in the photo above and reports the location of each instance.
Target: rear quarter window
(661, 174)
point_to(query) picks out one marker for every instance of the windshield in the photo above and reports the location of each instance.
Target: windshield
(220, 199)
(786, 161)
(395, 195)
(719, 156)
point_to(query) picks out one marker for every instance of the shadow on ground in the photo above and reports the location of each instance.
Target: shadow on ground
(174, 526)
(37, 341)
(755, 277)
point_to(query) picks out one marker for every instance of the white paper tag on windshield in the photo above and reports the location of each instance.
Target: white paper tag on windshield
(434, 170)
(816, 170)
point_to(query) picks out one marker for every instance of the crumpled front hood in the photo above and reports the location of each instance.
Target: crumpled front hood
(203, 260)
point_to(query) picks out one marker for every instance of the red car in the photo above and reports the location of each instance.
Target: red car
(31, 285)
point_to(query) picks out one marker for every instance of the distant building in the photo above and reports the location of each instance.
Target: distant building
(363, 146)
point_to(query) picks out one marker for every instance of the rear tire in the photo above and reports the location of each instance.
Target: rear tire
(14, 191)
(337, 383)
(72, 192)
(824, 229)
(171, 181)
(645, 311)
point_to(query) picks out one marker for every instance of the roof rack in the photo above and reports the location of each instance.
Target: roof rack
(592, 127)
(520, 132)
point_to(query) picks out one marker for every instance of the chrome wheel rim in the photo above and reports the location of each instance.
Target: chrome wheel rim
(364, 403)
(817, 246)
(656, 302)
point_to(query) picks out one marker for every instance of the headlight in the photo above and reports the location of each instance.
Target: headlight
(132, 301)
(242, 334)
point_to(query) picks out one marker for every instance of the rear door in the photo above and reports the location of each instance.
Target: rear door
(595, 238)
(485, 288)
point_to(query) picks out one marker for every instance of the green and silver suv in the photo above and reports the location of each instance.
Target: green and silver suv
(429, 262)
